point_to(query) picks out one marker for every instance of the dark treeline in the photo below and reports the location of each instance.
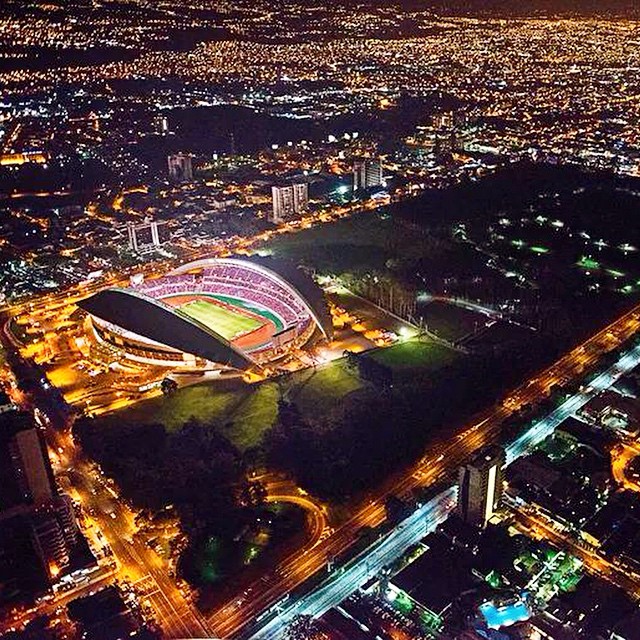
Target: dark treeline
(512, 188)
(202, 476)
(194, 469)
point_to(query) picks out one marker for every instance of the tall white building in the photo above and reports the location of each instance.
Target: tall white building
(161, 125)
(289, 200)
(180, 167)
(480, 486)
(367, 173)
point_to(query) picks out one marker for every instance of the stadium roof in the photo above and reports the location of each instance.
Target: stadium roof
(297, 281)
(151, 318)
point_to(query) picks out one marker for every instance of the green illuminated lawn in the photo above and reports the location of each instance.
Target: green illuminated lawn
(227, 323)
(415, 358)
(242, 413)
(324, 387)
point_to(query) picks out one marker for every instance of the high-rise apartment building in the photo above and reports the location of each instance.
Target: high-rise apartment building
(161, 125)
(367, 173)
(29, 497)
(289, 200)
(56, 532)
(180, 167)
(480, 484)
(31, 467)
(144, 237)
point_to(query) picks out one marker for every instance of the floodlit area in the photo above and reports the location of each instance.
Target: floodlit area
(100, 381)
(227, 322)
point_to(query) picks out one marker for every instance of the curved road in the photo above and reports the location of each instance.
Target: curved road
(285, 490)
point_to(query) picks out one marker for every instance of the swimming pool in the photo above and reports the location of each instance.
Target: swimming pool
(504, 615)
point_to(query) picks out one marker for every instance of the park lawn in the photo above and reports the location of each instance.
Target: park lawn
(449, 321)
(416, 357)
(223, 321)
(317, 391)
(364, 241)
(252, 416)
(242, 413)
(245, 413)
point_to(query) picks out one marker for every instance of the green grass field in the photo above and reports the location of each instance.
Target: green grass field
(324, 387)
(227, 323)
(241, 412)
(244, 413)
(363, 242)
(413, 359)
(448, 321)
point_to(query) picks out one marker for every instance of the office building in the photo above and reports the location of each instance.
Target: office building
(55, 532)
(26, 477)
(23, 572)
(29, 496)
(367, 174)
(289, 200)
(144, 237)
(180, 167)
(31, 467)
(480, 484)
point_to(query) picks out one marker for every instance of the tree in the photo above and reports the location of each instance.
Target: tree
(168, 386)
(252, 493)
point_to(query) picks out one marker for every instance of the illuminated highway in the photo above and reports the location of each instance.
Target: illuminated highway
(345, 580)
(285, 491)
(545, 428)
(137, 563)
(17, 619)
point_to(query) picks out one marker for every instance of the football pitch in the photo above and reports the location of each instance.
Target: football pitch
(223, 321)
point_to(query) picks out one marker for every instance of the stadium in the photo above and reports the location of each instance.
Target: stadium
(222, 313)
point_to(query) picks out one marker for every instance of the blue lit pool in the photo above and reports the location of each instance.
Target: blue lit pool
(504, 615)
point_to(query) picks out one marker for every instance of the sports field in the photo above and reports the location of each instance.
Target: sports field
(223, 321)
